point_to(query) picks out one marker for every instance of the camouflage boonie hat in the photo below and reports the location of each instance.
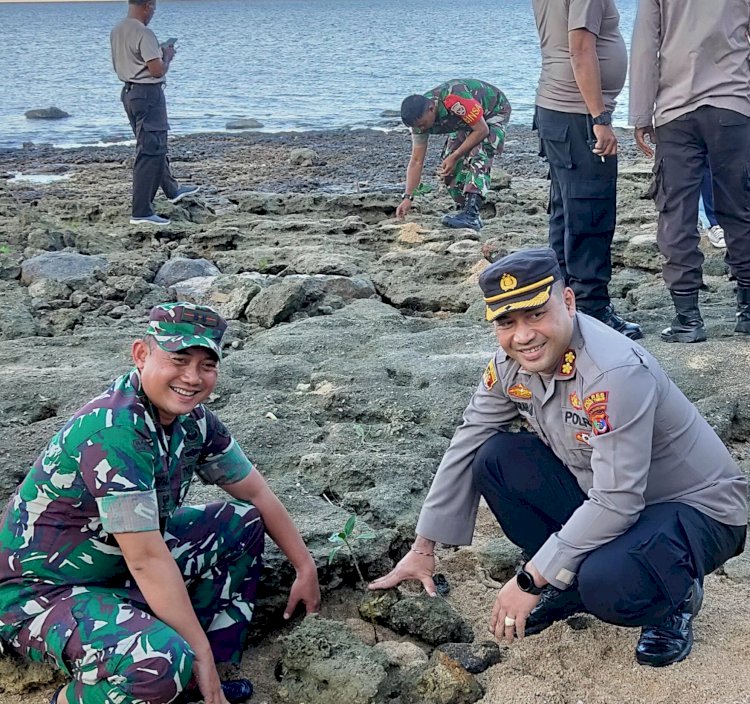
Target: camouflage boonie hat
(519, 281)
(178, 326)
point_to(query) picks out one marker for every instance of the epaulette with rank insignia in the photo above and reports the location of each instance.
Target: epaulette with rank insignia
(568, 364)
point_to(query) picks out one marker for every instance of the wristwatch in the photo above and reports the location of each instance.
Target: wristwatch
(526, 582)
(603, 118)
(407, 196)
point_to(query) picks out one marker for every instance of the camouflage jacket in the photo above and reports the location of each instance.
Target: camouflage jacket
(461, 103)
(112, 468)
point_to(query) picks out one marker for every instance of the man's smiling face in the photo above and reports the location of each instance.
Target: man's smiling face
(175, 382)
(537, 338)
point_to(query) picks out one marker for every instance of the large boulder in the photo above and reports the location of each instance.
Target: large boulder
(229, 294)
(51, 113)
(70, 268)
(244, 124)
(180, 268)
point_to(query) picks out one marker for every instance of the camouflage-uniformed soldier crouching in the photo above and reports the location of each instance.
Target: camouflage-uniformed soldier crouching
(104, 573)
(474, 115)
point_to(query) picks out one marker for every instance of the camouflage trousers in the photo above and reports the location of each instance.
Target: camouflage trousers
(116, 652)
(472, 172)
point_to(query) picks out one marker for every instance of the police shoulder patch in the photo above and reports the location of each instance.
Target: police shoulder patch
(489, 378)
(595, 407)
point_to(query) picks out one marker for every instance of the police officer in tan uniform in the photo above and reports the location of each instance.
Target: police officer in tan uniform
(622, 497)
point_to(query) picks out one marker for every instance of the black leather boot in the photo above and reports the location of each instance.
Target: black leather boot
(469, 216)
(743, 310)
(625, 327)
(554, 605)
(671, 640)
(687, 325)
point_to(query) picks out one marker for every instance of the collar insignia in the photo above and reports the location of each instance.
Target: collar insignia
(568, 364)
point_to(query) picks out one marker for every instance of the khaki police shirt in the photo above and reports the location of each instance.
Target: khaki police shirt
(615, 419)
(688, 53)
(557, 89)
(133, 45)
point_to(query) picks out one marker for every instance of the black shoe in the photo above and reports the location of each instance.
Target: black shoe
(671, 640)
(625, 327)
(743, 310)
(235, 691)
(687, 326)
(469, 216)
(555, 605)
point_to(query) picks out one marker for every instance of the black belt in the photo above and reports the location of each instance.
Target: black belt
(129, 85)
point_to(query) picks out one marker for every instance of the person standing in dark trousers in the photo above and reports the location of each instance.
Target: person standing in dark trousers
(621, 496)
(690, 96)
(584, 62)
(141, 63)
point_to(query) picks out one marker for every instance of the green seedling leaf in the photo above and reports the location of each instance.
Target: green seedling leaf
(334, 538)
(367, 536)
(349, 527)
(332, 554)
(423, 189)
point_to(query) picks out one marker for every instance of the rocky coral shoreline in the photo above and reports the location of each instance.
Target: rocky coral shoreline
(355, 342)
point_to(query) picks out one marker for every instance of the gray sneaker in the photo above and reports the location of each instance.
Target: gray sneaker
(151, 220)
(183, 192)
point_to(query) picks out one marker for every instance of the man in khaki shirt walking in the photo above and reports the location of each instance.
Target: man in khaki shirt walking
(622, 497)
(141, 63)
(690, 95)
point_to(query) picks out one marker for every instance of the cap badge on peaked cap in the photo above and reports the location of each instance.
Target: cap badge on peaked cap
(179, 326)
(508, 282)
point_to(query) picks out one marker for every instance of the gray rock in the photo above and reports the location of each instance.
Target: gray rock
(10, 266)
(229, 294)
(51, 113)
(46, 240)
(499, 179)
(430, 619)
(444, 682)
(277, 303)
(324, 663)
(49, 289)
(499, 557)
(377, 605)
(738, 569)
(71, 268)
(304, 157)
(180, 269)
(473, 657)
(244, 124)
(16, 320)
(404, 654)
(390, 113)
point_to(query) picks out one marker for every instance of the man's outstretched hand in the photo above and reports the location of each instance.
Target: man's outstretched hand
(411, 566)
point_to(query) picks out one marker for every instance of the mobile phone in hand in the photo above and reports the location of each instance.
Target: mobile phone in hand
(170, 42)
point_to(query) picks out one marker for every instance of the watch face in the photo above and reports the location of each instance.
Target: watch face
(524, 581)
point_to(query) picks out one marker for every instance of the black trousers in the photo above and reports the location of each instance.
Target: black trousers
(582, 205)
(638, 578)
(146, 109)
(682, 147)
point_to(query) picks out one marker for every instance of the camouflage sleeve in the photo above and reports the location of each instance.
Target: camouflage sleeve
(222, 460)
(117, 466)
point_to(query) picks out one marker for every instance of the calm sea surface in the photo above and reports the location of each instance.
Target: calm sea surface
(291, 64)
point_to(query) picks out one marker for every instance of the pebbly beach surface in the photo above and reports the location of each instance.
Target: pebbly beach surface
(355, 342)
